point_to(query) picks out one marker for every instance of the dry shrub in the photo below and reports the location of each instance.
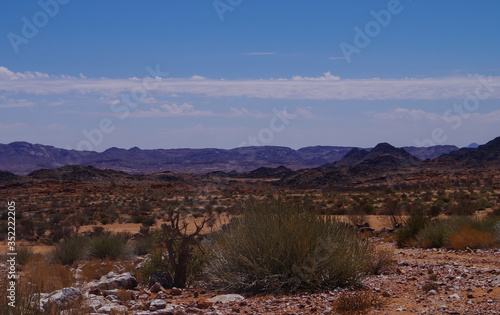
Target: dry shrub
(381, 262)
(25, 304)
(358, 302)
(469, 237)
(281, 246)
(46, 276)
(96, 268)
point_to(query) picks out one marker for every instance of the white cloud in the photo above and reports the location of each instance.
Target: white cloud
(326, 87)
(326, 76)
(337, 58)
(406, 114)
(172, 110)
(15, 103)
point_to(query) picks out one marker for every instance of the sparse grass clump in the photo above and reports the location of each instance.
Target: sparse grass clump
(357, 302)
(26, 301)
(70, 250)
(381, 262)
(107, 245)
(24, 255)
(282, 246)
(46, 276)
(101, 246)
(407, 234)
(460, 233)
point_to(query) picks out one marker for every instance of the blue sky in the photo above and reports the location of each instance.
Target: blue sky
(225, 73)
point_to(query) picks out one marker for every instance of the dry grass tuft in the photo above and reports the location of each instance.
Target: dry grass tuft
(46, 276)
(96, 268)
(382, 262)
(469, 237)
(358, 302)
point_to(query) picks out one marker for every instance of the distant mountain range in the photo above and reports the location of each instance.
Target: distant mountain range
(385, 161)
(379, 166)
(22, 158)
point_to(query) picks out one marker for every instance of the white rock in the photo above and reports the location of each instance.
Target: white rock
(108, 309)
(61, 298)
(432, 292)
(114, 281)
(168, 310)
(157, 305)
(226, 298)
(455, 296)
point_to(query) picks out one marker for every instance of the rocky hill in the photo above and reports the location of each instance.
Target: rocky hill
(433, 152)
(486, 155)
(78, 173)
(23, 158)
(382, 156)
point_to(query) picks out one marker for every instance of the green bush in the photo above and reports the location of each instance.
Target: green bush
(113, 246)
(438, 232)
(406, 235)
(282, 246)
(70, 250)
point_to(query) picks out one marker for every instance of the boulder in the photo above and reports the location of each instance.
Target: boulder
(113, 281)
(60, 299)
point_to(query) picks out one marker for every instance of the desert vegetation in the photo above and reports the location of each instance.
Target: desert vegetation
(245, 236)
(279, 246)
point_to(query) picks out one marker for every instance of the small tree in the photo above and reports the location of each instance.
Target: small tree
(180, 244)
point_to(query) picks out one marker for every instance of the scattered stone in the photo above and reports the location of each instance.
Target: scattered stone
(170, 310)
(455, 296)
(432, 292)
(157, 287)
(204, 304)
(60, 298)
(495, 282)
(386, 294)
(176, 291)
(113, 309)
(157, 305)
(226, 298)
(113, 281)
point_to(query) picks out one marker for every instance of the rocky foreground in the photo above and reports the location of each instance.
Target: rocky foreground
(421, 281)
